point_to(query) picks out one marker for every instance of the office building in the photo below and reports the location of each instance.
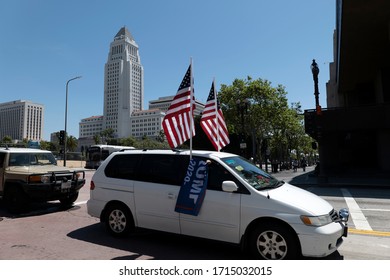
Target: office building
(21, 119)
(147, 123)
(163, 104)
(353, 132)
(91, 126)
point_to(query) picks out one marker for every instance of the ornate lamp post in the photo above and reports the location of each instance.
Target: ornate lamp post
(315, 70)
(318, 122)
(66, 115)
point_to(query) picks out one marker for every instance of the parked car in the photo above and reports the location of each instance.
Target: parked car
(28, 175)
(242, 204)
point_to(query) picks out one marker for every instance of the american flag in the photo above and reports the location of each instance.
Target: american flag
(178, 121)
(213, 122)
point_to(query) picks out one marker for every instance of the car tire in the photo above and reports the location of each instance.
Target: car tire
(273, 242)
(68, 201)
(118, 220)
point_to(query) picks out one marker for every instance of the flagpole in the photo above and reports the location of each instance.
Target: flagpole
(216, 115)
(191, 108)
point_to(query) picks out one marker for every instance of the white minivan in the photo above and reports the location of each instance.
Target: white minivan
(242, 204)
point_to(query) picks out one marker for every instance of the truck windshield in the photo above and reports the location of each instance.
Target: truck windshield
(255, 176)
(27, 159)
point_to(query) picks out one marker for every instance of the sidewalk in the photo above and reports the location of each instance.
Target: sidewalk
(72, 163)
(307, 178)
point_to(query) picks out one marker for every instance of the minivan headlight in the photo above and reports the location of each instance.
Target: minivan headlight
(316, 221)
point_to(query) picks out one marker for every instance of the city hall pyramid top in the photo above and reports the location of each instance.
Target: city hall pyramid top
(123, 33)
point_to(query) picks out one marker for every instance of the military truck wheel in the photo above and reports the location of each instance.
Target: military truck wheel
(68, 201)
(15, 199)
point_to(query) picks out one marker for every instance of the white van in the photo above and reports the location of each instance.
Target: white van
(242, 204)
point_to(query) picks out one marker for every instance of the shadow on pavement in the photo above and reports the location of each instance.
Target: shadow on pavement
(358, 187)
(148, 244)
(35, 209)
(158, 245)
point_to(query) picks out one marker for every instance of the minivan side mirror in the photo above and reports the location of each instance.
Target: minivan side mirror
(229, 186)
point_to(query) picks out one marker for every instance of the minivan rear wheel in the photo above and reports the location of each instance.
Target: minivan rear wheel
(273, 242)
(118, 220)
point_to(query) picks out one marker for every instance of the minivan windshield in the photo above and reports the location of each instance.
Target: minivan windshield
(255, 176)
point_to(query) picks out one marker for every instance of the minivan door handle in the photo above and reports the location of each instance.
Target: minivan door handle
(171, 196)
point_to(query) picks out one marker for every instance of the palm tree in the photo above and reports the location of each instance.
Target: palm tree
(71, 143)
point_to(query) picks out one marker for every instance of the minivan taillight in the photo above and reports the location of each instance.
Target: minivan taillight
(92, 186)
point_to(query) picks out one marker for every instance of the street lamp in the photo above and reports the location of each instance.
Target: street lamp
(315, 70)
(318, 121)
(66, 115)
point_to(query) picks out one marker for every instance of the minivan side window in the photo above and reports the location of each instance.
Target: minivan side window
(218, 174)
(163, 169)
(122, 166)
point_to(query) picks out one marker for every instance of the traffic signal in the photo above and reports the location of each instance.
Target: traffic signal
(311, 124)
(62, 137)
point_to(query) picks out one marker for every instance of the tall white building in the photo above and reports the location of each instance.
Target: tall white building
(21, 119)
(123, 84)
(123, 97)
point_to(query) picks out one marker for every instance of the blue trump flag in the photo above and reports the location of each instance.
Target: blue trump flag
(193, 190)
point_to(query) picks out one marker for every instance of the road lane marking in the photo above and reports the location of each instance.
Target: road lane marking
(355, 212)
(368, 232)
(377, 210)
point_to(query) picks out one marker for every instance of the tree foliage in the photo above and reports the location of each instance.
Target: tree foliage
(71, 143)
(7, 139)
(259, 112)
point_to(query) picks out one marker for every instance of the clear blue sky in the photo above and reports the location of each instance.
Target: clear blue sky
(44, 43)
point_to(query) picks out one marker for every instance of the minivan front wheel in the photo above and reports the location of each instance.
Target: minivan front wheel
(118, 220)
(273, 242)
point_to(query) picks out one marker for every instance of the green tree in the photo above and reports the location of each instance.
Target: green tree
(267, 117)
(147, 143)
(7, 139)
(107, 135)
(287, 133)
(144, 143)
(161, 136)
(45, 145)
(96, 139)
(129, 141)
(71, 143)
